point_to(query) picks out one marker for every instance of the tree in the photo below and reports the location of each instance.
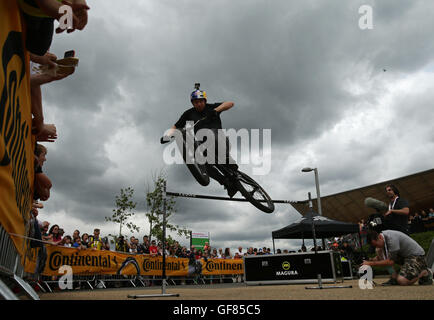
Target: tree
(154, 201)
(124, 211)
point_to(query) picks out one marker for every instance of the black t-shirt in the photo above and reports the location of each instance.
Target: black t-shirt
(143, 248)
(193, 115)
(395, 221)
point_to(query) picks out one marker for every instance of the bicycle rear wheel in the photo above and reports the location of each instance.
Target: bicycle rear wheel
(254, 193)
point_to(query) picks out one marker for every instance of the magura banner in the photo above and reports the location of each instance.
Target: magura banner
(16, 151)
(90, 262)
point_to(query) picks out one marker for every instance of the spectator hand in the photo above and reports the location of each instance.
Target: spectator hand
(43, 78)
(79, 16)
(388, 212)
(37, 205)
(48, 59)
(48, 133)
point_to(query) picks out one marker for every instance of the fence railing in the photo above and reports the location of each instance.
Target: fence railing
(94, 281)
(10, 265)
(10, 260)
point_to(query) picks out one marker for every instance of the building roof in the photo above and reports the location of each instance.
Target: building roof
(349, 206)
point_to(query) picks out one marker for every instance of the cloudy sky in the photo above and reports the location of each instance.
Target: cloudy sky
(302, 68)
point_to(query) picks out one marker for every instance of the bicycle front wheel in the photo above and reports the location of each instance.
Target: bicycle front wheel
(197, 170)
(254, 193)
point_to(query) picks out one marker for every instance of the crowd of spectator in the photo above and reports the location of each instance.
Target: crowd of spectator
(39, 18)
(421, 221)
(55, 235)
(38, 22)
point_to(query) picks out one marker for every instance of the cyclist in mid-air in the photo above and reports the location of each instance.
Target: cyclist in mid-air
(211, 112)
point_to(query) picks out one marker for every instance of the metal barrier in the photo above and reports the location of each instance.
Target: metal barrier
(10, 263)
(11, 269)
(49, 284)
(102, 281)
(92, 282)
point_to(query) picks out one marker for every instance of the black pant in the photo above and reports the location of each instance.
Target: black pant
(39, 34)
(212, 171)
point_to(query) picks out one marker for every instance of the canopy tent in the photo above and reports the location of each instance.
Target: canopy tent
(324, 228)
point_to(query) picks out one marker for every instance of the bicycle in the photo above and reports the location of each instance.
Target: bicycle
(247, 186)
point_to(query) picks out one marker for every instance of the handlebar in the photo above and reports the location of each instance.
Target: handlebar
(167, 139)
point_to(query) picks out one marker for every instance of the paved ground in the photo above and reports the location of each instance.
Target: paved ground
(264, 292)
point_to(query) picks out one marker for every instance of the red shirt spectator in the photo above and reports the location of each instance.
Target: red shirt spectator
(153, 249)
(198, 254)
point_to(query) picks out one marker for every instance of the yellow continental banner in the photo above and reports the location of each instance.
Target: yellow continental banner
(111, 263)
(222, 266)
(16, 151)
(105, 262)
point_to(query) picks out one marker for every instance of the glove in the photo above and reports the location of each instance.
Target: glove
(164, 139)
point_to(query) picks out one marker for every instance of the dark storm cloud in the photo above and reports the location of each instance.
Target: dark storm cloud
(84, 157)
(195, 210)
(243, 235)
(99, 72)
(283, 65)
(90, 213)
(266, 60)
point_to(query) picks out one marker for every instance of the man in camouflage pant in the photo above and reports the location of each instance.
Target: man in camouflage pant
(400, 249)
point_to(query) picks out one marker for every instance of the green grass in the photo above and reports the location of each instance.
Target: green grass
(424, 239)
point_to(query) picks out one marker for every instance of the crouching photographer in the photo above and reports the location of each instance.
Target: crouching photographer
(399, 248)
